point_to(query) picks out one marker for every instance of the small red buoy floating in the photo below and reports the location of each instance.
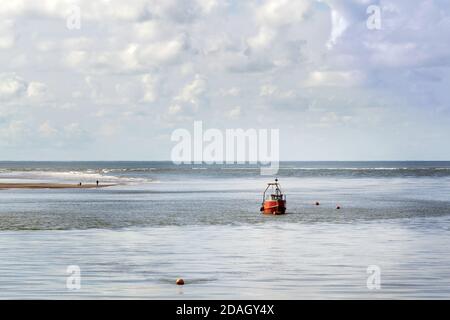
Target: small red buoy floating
(180, 282)
(317, 203)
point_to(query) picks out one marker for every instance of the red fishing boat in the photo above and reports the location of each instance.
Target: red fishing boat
(274, 201)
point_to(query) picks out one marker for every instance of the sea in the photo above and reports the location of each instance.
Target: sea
(160, 221)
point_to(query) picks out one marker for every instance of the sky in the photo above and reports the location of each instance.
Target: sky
(117, 85)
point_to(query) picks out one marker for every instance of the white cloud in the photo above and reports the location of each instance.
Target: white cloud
(277, 13)
(37, 90)
(135, 57)
(7, 34)
(274, 14)
(267, 90)
(47, 130)
(74, 131)
(12, 87)
(14, 132)
(192, 91)
(338, 27)
(232, 92)
(207, 5)
(90, 10)
(263, 39)
(78, 43)
(331, 119)
(277, 97)
(334, 79)
(116, 10)
(174, 109)
(149, 84)
(234, 113)
(160, 52)
(46, 45)
(128, 92)
(188, 101)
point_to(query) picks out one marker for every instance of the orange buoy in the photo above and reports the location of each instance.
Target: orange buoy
(180, 282)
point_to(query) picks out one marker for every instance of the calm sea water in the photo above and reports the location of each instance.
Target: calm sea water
(202, 223)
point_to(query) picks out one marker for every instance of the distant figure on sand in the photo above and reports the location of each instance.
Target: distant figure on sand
(79, 184)
(97, 183)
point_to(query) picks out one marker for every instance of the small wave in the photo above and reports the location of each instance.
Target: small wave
(241, 168)
(72, 175)
(109, 170)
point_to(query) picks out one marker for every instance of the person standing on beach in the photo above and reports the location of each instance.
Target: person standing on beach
(97, 183)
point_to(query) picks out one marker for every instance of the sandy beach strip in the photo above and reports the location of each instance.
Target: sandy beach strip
(51, 186)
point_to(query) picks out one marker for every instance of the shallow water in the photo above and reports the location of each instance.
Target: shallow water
(273, 260)
(135, 239)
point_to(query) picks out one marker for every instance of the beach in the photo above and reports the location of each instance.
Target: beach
(50, 186)
(158, 222)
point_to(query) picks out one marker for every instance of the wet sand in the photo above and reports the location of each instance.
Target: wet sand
(51, 186)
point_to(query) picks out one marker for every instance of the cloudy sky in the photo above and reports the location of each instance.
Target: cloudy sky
(135, 70)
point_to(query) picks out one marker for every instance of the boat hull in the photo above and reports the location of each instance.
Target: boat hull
(275, 207)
